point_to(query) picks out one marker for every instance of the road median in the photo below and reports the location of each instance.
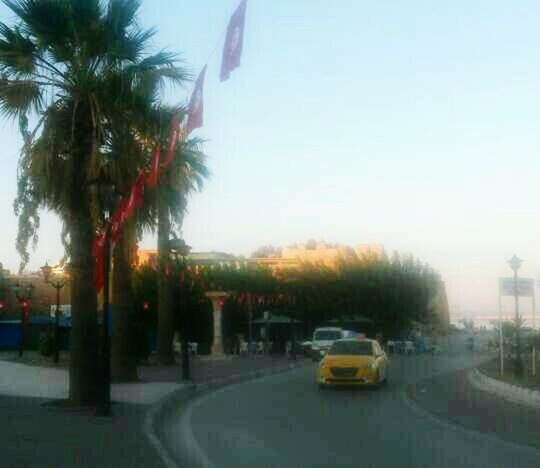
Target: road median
(511, 392)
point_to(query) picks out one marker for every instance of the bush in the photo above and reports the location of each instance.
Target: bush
(46, 344)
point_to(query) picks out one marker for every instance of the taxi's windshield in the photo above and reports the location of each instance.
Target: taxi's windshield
(351, 348)
(327, 335)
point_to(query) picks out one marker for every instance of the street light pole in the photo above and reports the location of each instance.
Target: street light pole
(515, 263)
(105, 191)
(23, 295)
(180, 249)
(104, 406)
(58, 285)
(250, 323)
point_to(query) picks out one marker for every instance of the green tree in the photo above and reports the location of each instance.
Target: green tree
(186, 175)
(75, 66)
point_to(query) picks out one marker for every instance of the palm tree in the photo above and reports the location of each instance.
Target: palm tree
(186, 175)
(164, 210)
(74, 65)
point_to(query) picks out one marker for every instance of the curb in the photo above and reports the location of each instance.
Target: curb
(509, 392)
(191, 391)
(455, 426)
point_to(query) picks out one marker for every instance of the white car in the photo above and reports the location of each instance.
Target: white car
(323, 339)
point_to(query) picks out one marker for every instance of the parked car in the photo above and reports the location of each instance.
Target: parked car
(353, 361)
(323, 338)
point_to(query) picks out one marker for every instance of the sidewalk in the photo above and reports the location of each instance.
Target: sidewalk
(452, 397)
(206, 368)
(35, 435)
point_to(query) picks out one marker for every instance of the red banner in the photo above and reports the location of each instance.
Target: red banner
(154, 168)
(127, 207)
(196, 104)
(232, 50)
(173, 140)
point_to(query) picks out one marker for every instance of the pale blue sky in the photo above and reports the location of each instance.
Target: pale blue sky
(412, 124)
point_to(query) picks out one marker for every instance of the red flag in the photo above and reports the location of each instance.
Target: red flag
(232, 50)
(98, 252)
(127, 207)
(173, 139)
(117, 219)
(196, 104)
(154, 168)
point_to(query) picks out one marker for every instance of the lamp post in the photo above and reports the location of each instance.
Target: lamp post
(515, 263)
(178, 248)
(23, 293)
(250, 323)
(291, 282)
(104, 189)
(57, 283)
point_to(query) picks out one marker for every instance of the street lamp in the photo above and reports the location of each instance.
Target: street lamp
(515, 263)
(104, 189)
(178, 248)
(291, 282)
(57, 284)
(23, 293)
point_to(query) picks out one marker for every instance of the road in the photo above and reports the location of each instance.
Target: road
(285, 421)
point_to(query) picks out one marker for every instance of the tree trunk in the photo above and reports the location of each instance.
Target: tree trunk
(83, 375)
(165, 352)
(123, 348)
(84, 378)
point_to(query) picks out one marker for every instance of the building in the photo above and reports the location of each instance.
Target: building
(150, 257)
(320, 253)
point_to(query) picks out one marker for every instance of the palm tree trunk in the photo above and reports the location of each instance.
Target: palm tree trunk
(123, 352)
(83, 375)
(165, 353)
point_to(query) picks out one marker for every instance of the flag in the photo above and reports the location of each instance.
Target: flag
(127, 207)
(232, 50)
(154, 167)
(173, 139)
(196, 104)
(98, 252)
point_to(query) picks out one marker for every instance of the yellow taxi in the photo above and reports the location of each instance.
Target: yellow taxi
(353, 361)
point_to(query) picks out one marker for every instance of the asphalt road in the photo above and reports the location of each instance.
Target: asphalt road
(285, 421)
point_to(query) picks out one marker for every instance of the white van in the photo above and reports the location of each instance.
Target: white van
(324, 337)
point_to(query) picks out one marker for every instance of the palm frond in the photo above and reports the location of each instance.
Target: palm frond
(16, 52)
(50, 22)
(121, 14)
(19, 96)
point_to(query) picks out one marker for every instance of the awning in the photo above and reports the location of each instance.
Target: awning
(351, 319)
(276, 319)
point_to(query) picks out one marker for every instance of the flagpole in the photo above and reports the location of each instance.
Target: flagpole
(501, 332)
(533, 309)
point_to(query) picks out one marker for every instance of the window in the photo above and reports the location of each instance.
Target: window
(327, 335)
(351, 348)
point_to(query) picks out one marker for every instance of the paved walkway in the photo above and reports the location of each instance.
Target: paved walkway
(41, 382)
(452, 397)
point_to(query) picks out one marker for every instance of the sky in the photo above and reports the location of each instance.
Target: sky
(408, 124)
